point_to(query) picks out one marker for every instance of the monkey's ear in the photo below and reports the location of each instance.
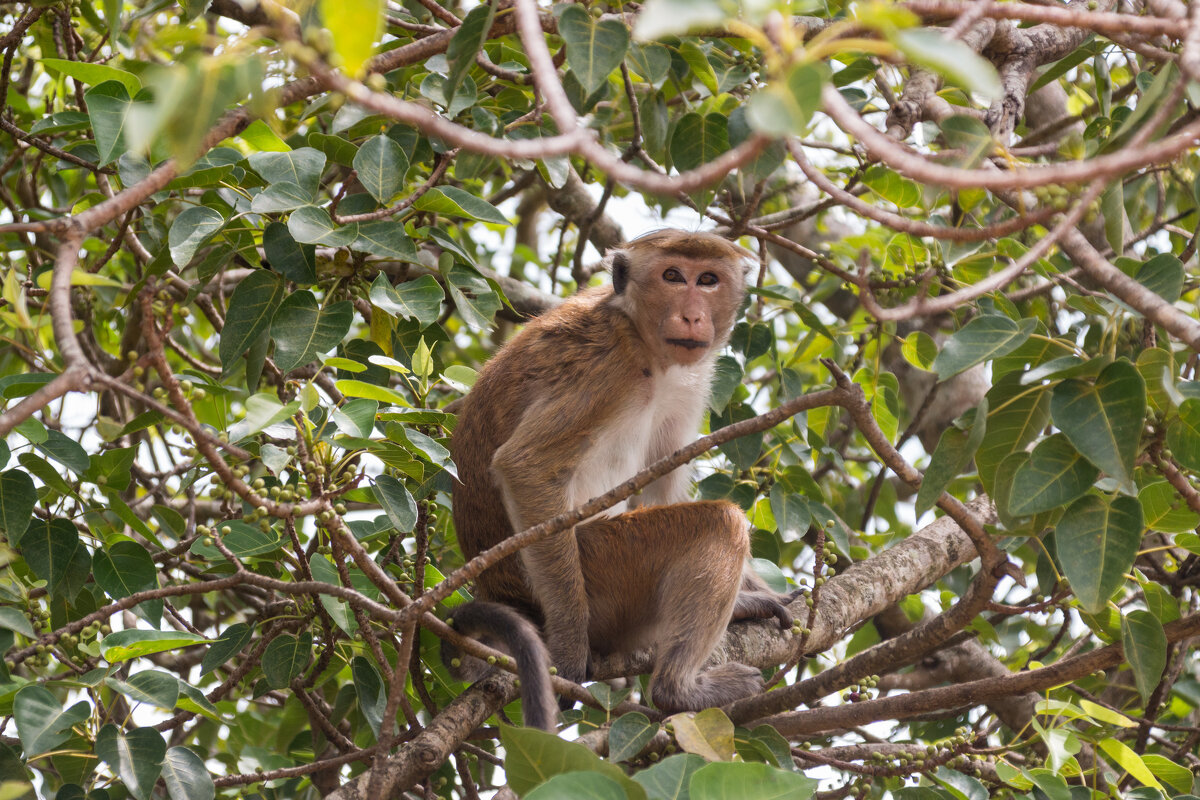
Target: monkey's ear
(620, 271)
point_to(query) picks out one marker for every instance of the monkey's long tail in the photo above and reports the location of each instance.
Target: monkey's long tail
(506, 629)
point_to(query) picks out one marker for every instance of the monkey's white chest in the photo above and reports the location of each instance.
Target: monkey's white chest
(644, 430)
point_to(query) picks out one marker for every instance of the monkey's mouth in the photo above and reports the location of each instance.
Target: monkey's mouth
(688, 344)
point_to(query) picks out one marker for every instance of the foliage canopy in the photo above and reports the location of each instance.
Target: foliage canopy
(255, 252)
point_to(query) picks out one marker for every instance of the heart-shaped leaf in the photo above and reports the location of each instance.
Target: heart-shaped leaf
(251, 308)
(313, 225)
(17, 499)
(1145, 646)
(42, 724)
(628, 735)
(982, 339)
(191, 229)
(594, 47)
(136, 757)
(124, 569)
(381, 164)
(698, 140)
(302, 330)
(186, 776)
(1104, 420)
(1097, 541)
(285, 658)
(1054, 475)
(302, 167)
(420, 299)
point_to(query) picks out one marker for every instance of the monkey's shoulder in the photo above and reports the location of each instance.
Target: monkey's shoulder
(585, 334)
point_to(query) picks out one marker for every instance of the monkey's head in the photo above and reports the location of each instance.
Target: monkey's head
(682, 290)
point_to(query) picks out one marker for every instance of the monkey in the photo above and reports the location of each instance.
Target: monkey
(583, 398)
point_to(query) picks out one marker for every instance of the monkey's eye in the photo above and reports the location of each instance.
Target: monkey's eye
(672, 275)
(708, 279)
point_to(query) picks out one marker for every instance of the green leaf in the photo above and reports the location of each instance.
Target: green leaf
(669, 779)
(372, 697)
(420, 299)
(950, 58)
(465, 45)
(708, 733)
(1163, 275)
(785, 109)
(355, 25)
(356, 417)
(1176, 775)
(382, 394)
(302, 166)
(397, 503)
(1145, 646)
(1016, 417)
(136, 757)
(339, 150)
(895, 188)
(651, 61)
(313, 225)
(970, 136)
(1165, 510)
(534, 756)
(149, 686)
(793, 517)
(108, 106)
(1097, 542)
(749, 781)
(231, 642)
(251, 308)
(134, 643)
(1124, 757)
(294, 261)
(282, 196)
(381, 164)
(111, 469)
(698, 140)
(18, 496)
(629, 734)
(659, 18)
(954, 452)
(302, 330)
(12, 619)
(285, 658)
(123, 569)
(244, 541)
(93, 74)
(1104, 421)
(1183, 435)
(727, 377)
(66, 451)
(472, 296)
(53, 551)
(386, 239)
(695, 57)
(192, 228)
(594, 47)
(186, 776)
(455, 202)
(982, 339)
(200, 178)
(1054, 475)
(578, 786)
(42, 724)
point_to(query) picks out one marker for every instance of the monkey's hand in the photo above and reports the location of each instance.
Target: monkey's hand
(764, 604)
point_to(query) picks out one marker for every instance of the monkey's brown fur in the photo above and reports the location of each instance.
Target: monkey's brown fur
(584, 397)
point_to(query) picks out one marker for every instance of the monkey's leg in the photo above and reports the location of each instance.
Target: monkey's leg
(669, 576)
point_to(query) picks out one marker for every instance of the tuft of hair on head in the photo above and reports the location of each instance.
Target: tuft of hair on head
(688, 244)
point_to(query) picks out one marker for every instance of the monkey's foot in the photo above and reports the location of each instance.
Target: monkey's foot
(713, 687)
(764, 605)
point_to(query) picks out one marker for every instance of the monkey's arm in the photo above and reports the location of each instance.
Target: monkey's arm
(756, 600)
(534, 469)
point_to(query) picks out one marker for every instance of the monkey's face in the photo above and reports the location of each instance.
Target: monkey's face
(687, 306)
